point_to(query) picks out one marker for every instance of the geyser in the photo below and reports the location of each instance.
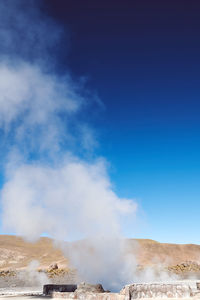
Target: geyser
(51, 175)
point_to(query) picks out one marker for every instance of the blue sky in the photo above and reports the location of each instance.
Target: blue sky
(141, 59)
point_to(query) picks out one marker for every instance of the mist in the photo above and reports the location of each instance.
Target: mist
(49, 187)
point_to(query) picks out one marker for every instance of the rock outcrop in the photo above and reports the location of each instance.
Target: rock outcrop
(174, 290)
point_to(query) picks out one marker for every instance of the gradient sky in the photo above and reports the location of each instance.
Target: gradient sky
(142, 60)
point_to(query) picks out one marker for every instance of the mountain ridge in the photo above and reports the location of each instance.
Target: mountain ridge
(15, 253)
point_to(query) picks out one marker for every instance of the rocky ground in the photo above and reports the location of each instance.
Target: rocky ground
(187, 268)
(36, 279)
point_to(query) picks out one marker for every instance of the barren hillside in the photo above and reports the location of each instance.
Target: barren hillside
(152, 252)
(15, 253)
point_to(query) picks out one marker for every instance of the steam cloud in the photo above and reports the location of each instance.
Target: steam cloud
(49, 188)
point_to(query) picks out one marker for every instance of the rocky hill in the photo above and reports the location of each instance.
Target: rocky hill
(15, 253)
(152, 252)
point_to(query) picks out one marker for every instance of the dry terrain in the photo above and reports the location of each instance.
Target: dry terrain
(16, 254)
(152, 252)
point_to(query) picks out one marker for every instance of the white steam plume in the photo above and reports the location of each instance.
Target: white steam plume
(74, 200)
(48, 188)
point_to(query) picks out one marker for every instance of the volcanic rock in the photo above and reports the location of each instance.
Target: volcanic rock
(92, 288)
(53, 266)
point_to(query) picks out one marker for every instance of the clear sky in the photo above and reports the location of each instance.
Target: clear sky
(142, 60)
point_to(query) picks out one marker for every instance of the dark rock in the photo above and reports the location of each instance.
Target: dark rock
(198, 285)
(48, 289)
(53, 267)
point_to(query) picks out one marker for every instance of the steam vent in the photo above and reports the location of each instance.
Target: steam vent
(83, 291)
